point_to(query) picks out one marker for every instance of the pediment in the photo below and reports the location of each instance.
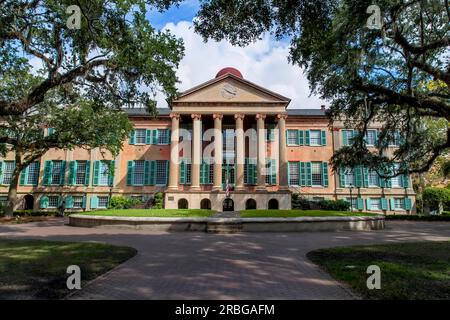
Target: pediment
(230, 89)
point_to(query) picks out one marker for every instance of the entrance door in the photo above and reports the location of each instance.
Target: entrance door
(228, 205)
(29, 202)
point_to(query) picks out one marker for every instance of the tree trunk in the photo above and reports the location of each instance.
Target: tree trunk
(12, 193)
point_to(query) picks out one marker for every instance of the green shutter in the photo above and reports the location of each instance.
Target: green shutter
(408, 204)
(183, 170)
(323, 137)
(359, 204)
(169, 136)
(376, 137)
(147, 172)
(155, 136)
(325, 174)
(392, 202)
(47, 173)
(308, 174)
(96, 173)
(148, 136)
(83, 204)
(273, 172)
(43, 202)
(132, 138)
(63, 173)
(23, 176)
(344, 138)
(307, 143)
(365, 177)
(287, 136)
(72, 173)
(167, 172)
(130, 169)
(1, 172)
(405, 180)
(302, 171)
(301, 137)
(202, 173)
(342, 177)
(368, 204)
(69, 202)
(94, 202)
(111, 173)
(152, 177)
(88, 173)
(358, 176)
(384, 204)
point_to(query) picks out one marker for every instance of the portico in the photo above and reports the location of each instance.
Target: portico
(228, 132)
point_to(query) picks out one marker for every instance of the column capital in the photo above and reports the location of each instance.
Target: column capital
(260, 116)
(196, 116)
(282, 116)
(217, 116)
(175, 115)
(239, 116)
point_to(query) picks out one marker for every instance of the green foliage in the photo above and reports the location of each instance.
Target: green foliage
(397, 76)
(433, 196)
(121, 202)
(337, 205)
(299, 202)
(159, 200)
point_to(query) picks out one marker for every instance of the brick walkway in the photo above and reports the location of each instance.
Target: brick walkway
(215, 266)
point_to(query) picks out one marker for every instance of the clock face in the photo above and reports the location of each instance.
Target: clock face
(228, 91)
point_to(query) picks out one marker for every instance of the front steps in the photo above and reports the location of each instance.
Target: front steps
(224, 226)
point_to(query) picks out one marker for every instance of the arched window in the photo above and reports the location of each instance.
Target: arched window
(205, 204)
(273, 204)
(250, 204)
(183, 204)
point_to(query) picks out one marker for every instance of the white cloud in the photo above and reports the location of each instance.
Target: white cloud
(263, 62)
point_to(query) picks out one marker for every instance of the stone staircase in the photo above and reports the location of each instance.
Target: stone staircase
(226, 222)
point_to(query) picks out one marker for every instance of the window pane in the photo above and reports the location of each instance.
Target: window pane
(375, 203)
(293, 173)
(161, 172)
(53, 201)
(292, 137)
(163, 136)
(103, 174)
(81, 172)
(57, 172)
(349, 177)
(8, 168)
(77, 201)
(139, 172)
(316, 172)
(370, 137)
(314, 137)
(33, 173)
(399, 203)
(140, 136)
(102, 202)
(373, 179)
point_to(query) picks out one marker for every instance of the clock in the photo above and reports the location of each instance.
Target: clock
(228, 91)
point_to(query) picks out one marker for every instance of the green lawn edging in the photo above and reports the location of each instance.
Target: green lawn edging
(169, 213)
(301, 213)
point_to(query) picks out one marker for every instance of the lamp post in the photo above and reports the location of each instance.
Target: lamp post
(351, 197)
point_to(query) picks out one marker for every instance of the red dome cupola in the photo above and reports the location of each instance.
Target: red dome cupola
(231, 70)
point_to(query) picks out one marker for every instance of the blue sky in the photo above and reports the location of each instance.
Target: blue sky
(184, 12)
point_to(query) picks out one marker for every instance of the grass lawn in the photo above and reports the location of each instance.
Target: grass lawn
(299, 213)
(35, 269)
(162, 213)
(408, 270)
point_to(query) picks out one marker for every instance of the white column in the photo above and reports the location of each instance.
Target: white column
(240, 151)
(196, 151)
(261, 183)
(174, 152)
(218, 145)
(283, 181)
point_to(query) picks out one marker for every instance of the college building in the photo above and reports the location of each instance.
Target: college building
(226, 144)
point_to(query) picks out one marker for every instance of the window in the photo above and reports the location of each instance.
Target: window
(77, 202)
(53, 202)
(140, 136)
(81, 172)
(318, 199)
(292, 137)
(352, 202)
(161, 172)
(228, 143)
(3, 201)
(371, 137)
(396, 182)
(399, 204)
(102, 202)
(103, 174)
(163, 136)
(294, 178)
(348, 177)
(347, 136)
(315, 138)
(316, 173)
(373, 179)
(57, 172)
(8, 169)
(33, 173)
(138, 178)
(375, 204)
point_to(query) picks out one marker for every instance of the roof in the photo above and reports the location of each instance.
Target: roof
(166, 111)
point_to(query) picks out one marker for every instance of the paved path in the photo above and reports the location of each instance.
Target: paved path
(199, 265)
(227, 214)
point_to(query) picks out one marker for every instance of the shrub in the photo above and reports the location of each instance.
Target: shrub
(336, 205)
(121, 202)
(159, 200)
(433, 196)
(301, 203)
